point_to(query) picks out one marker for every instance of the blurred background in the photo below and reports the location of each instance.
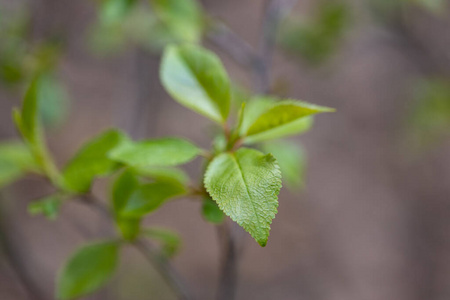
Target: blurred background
(369, 218)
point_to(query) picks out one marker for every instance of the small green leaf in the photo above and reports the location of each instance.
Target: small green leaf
(196, 78)
(124, 186)
(29, 124)
(122, 189)
(211, 212)
(129, 227)
(15, 161)
(282, 119)
(88, 270)
(291, 158)
(170, 240)
(182, 19)
(157, 153)
(48, 206)
(245, 185)
(92, 161)
(149, 197)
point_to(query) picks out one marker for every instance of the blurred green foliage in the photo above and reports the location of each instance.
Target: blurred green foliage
(318, 38)
(22, 59)
(148, 24)
(430, 117)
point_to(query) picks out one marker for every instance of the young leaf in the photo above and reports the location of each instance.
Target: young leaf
(48, 206)
(245, 185)
(283, 119)
(156, 153)
(196, 78)
(170, 240)
(129, 227)
(27, 120)
(183, 19)
(149, 197)
(291, 158)
(15, 161)
(92, 161)
(211, 212)
(88, 270)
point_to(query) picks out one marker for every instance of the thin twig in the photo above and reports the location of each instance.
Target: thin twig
(165, 269)
(229, 264)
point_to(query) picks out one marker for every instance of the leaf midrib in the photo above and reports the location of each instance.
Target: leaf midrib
(246, 187)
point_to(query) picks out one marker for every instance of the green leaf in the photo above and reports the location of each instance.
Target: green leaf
(15, 161)
(28, 122)
(92, 161)
(129, 227)
(211, 212)
(27, 119)
(196, 78)
(245, 185)
(124, 186)
(291, 158)
(88, 270)
(282, 119)
(163, 174)
(183, 19)
(170, 240)
(48, 206)
(159, 152)
(149, 197)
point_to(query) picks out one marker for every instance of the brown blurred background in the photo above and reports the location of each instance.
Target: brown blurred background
(373, 222)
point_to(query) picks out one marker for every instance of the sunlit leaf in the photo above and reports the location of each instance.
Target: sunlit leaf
(245, 185)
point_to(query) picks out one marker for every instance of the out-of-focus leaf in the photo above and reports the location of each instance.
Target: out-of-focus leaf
(265, 121)
(15, 161)
(211, 212)
(89, 268)
(149, 197)
(48, 206)
(92, 161)
(245, 184)
(430, 118)
(124, 186)
(170, 240)
(291, 158)
(196, 78)
(158, 152)
(29, 124)
(54, 101)
(183, 19)
(317, 40)
(163, 174)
